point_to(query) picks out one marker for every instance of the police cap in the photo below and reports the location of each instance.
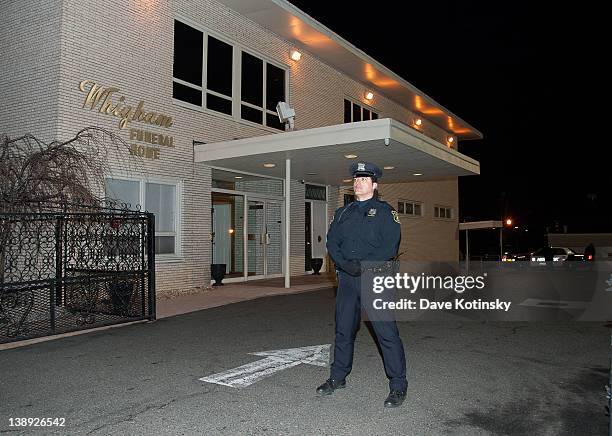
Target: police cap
(367, 169)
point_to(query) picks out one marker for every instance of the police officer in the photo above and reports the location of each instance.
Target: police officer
(365, 230)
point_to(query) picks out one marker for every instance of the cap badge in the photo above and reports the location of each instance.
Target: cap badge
(360, 166)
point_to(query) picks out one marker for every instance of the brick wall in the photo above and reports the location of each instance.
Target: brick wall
(29, 70)
(427, 237)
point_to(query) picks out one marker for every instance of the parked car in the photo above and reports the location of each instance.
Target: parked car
(515, 257)
(555, 254)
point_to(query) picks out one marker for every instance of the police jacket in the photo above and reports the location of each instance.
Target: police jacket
(368, 230)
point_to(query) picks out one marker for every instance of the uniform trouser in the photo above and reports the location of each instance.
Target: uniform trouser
(348, 316)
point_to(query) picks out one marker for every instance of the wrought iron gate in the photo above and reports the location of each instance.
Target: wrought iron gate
(61, 272)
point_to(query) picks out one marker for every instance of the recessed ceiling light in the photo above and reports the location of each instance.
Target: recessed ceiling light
(388, 168)
(417, 174)
(269, 165)
(311, 174)
(350, 156)
(347, 180)
(237, 177)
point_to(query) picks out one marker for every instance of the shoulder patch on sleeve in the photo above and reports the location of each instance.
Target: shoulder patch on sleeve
(395, 216)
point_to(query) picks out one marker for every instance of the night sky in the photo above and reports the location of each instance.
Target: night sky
(508, 70)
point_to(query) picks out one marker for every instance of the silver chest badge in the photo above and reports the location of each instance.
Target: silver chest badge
(372, 212)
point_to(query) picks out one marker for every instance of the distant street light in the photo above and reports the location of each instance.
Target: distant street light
(509, 222)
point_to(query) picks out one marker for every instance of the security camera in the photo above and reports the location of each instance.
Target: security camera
(286, 114)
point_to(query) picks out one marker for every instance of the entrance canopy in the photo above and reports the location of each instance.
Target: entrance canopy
(319, 155)
(476, 225)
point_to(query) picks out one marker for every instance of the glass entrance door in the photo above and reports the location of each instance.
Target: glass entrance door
(264, 237)
(228, 232)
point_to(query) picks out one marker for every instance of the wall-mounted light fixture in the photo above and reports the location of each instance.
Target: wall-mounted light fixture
(286, 114)
(450, 140)
(369, 95)
(295, 55)
(418, 122)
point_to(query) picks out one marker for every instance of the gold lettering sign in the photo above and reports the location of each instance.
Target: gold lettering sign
(144, 151)
(151, 138)
(107, 101)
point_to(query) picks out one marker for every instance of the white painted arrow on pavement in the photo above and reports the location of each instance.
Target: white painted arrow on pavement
(276, 360)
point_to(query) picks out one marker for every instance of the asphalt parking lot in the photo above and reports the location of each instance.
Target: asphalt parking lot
(465, 377)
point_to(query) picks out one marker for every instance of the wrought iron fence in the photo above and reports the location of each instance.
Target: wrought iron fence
(63, 271)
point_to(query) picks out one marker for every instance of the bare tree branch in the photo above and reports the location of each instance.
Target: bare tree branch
(71, 172)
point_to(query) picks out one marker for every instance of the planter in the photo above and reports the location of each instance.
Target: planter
(217, 271)
(316, 265)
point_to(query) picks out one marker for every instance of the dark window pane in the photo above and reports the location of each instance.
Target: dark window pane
(417, 209)
(314, 192)
(374, 116)
(356, 112)
(366, 114)
(218, 104)
(252, 80)
(185, 93)
(409, 209)
(219, 68)
(275, 86)
(400, 207)
(347, 111)
(436, 212)
(273, 121)
(248, 113)
(187, 54)
(164, 244)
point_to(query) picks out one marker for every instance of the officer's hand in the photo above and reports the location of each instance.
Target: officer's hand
(353, 267)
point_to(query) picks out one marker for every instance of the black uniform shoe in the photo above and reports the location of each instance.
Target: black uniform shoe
(330, 386)
(395, 398)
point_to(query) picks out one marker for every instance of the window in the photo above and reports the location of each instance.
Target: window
(443, 212)
(187, 66)
(159, 198)
(219, 69)
(408, 207)
(262, 87)
(189, 82)
(355, 112)
(203, 75)
(315, 192)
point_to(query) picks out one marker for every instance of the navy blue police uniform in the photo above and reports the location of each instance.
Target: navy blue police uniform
(363, 231)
